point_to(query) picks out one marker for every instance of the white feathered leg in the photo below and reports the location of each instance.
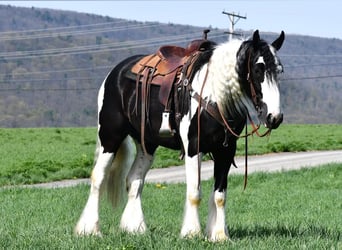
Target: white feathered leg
(216, 225)
(191, 223)
(89, 221)
(132, 219)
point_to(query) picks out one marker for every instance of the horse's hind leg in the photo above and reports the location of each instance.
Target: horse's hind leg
(88, 222)
(132, 219)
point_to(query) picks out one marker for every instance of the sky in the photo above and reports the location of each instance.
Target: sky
(305, 17)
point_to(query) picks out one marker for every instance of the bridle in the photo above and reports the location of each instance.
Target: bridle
(254, 99)
(217, 114)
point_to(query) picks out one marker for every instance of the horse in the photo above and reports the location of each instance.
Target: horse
(237, 79)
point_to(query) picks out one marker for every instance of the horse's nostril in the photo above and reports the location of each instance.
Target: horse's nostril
(273, 122)
(270, 119)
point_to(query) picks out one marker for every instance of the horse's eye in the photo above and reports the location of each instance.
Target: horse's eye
(260, 68)
(280, 69)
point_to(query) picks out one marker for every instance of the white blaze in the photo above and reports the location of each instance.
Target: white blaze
(261, 60)
(271, 96)
(270, 90)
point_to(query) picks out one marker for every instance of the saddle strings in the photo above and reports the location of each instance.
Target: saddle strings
(198, 128)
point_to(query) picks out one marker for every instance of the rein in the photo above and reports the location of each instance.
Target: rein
(198, 127)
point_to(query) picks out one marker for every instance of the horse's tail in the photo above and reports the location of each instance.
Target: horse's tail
(117, 174)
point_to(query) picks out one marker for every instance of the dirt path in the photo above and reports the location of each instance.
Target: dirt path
(265, 163)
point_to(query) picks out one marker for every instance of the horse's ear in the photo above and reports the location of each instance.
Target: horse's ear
(256, 37)
(279, 41)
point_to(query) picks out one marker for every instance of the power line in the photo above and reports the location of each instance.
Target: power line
(77, 50)
(98, 48)
(78, 32)
(310, 78)
(110, 66)
(49, 89)
(51, 80)
(60, 28)
(102, 78)
(313, 65)
(310, 55)
(58, 71)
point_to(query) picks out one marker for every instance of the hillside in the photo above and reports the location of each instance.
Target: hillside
(53, 62)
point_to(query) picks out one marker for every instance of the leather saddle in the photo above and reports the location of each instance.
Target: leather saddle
(168, 65)
(171, 66)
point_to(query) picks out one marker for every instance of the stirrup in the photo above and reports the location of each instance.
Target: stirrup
(165, 129)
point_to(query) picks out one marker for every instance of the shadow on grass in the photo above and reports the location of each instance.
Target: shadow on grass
(295, 231)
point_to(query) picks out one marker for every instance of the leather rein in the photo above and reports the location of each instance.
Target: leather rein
(217, 114)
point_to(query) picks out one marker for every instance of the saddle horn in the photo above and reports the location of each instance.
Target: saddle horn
(205, 34)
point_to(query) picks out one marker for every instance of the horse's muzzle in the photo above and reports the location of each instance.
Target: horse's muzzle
(273, 121)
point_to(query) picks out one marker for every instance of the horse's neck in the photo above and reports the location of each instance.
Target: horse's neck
(221, 79)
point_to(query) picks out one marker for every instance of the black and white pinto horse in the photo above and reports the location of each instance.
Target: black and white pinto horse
(234, 71)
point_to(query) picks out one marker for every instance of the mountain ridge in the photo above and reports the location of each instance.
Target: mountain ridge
(53, 62)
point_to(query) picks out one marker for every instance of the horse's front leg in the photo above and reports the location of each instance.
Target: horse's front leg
(216, 226)
(191, 223)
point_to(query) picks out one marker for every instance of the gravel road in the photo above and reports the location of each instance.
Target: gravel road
(265, 163)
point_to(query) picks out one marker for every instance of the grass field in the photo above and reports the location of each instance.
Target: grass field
(289, 210)
(46, 154)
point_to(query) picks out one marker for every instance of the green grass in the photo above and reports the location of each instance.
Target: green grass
(288, 210)
(47, 154)
(38, 155)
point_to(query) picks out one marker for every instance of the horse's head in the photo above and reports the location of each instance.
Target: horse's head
(260, 68)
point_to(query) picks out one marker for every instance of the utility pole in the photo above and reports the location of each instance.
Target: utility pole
(234, 18)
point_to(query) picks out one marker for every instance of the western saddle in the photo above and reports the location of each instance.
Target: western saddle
(171, 66)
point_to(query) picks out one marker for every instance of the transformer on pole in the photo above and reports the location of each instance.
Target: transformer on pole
(234, 18)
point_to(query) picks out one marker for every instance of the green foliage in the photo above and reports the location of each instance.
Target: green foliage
(48, 154)
(289, 210)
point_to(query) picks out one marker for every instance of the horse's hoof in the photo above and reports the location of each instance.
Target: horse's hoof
(220, 236)
(134, 229)
(190, 234)
(82, 233)
(87, 231)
